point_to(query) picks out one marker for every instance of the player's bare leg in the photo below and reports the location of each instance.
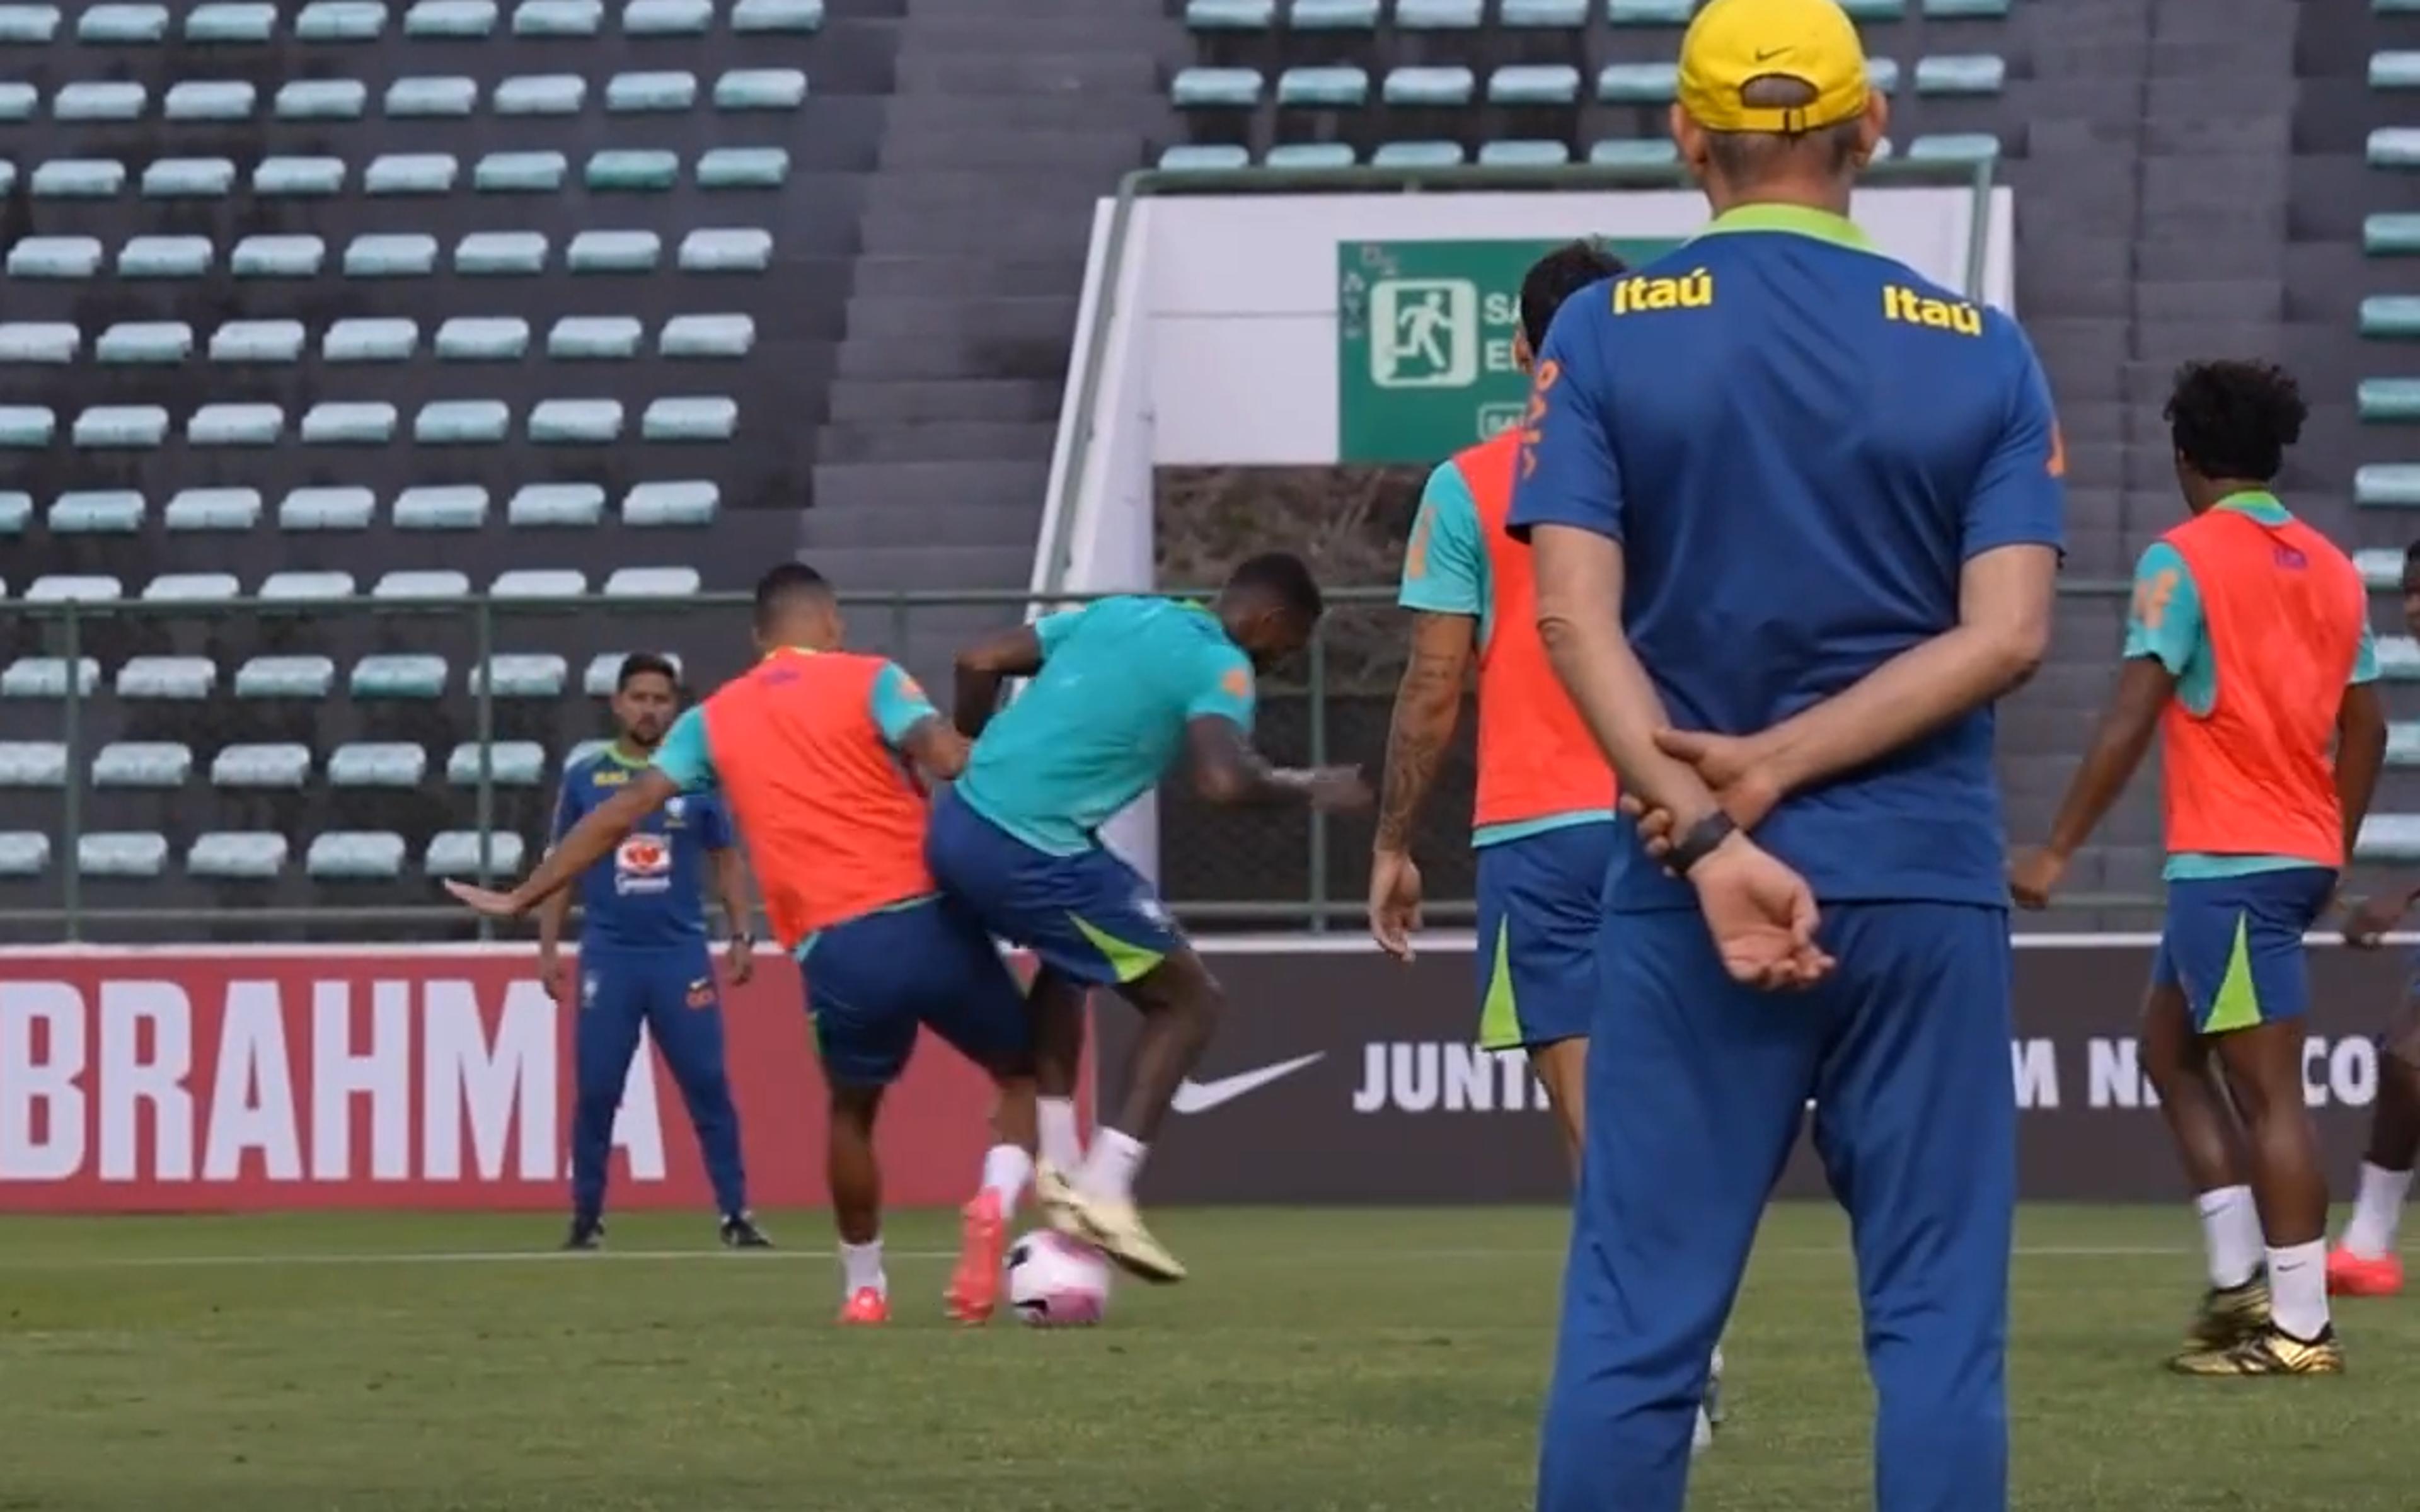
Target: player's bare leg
(2208, 1142)
(974, 1286)
(1056, 1005)
(855, 1178)
(2365, 1262)
(1181, 1004)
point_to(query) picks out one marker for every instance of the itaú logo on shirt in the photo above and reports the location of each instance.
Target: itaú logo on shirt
(642, 863)
(1908, 307)
(1693, 290)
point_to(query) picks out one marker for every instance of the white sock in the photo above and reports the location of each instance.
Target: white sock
(2231, 1232)
(2297, 1288)
(861, 1266)
(2377, 1212)
(1006, 1169)
(1061, 1146)
(1110, 1169)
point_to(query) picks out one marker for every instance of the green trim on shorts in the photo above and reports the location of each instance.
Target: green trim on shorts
(1499, 1015)
(1128, 962)
(2238, 1003)
(1523, 828)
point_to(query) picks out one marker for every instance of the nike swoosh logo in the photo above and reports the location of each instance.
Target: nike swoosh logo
(1201, 1097)
(1766, 55)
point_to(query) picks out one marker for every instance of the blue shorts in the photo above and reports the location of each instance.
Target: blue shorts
(1088, 915)
(2234, 946)
(874, 979)
(1538, 920)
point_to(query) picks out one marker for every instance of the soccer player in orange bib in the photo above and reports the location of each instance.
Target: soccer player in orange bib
(2248, 652)
(813, 748)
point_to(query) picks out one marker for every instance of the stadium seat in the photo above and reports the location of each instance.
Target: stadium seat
(2389, 837)
(640, 93)
(462, 423)
(359, 422)
(285, 677)
(122, 25)
(1546, 14)
(483, 339)
(16, 512)
(502, 253)
(444, 507)
(450, 95)
(1644, 152)
(184, 588)
(540, 94)
(51, 342)
(79, 178)
(544, 506)
(1311, 155)
(457, 852)
(314, 177)
(540, 584)
(576, 421)
(373, 255)
(17, 101)
(264, 765)
(524, 675)
(1230, 15)
(116, 426)
(412, 173)
(29, 25)
(33, 764)
(1437, 15)
(54, 258)
(74, 588)
(189, 179)
(511, 764)
(605, 336)
(257, 341)
(519, 172)
(652, 583)
(760, 89)
(2386, 235)
(1429, 87)
(694, 418)
(377, 764)
(143, 764)
(23, 853)
(1881, 74)
(631, 168)
(326, 508)
(236, 855)
(46, 677)
(231, 20)
(278, 257)
(305, 586)
(97, 512)
(557, 18)
(93, 99)
(2398, 658)
(775, 16)
(1638, 84)
(2394, 399)
(418, 584)
(725, 250)
(27, 426)
(2381, 566)
(2390, 314)
(163, 257)
(2394, 147)
(1965, 10)
(466, 19)
(736, 168)
(7, 176)
(177, 679)
(398, 675)
(1190, 157)
(321, 100)
(1648, 12)
(1324, 87)
(2387, 485)
(1523, 154)
(1981, 73)
(2395, 71)
(670, 18)
(1954, 146)
(1201, 88)
(341, 20)
(138, 853)
(235, 425)
(370, 339)
(1418, 155)
(209, 100)
(707, 335)
(353, 854)
(212, 509)
(1554, 83)
(690, 503)
(155, 342)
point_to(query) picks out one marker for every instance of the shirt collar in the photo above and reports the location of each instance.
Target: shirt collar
(615, 753)
(1796, 220)
(2257, 503)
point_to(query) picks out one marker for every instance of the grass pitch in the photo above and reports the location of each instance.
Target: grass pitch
(1341, 1359)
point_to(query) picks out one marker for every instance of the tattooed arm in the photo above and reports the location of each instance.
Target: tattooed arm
(1427, 703)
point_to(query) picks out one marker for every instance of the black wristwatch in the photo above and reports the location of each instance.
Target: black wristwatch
(1699, 843)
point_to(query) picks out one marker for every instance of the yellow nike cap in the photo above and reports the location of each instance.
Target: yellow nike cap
(1734, 42)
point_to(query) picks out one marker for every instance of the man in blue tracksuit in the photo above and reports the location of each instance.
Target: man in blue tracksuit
(1795, 514)
(644, 961)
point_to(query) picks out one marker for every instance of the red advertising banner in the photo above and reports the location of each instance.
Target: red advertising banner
(136, 1081)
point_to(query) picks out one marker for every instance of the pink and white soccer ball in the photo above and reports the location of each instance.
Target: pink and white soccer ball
(1056, 1282)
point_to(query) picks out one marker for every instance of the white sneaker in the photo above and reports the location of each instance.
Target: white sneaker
(1114, 1227)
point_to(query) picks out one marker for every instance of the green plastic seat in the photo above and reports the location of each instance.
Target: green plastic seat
(302, 587)
(483, 339)
(398, 675)
(54, 258)
(75, 587)
(458, 853)
(321, 100)
(1523, 154)
(2389, 837)
(448, 95)
(2380, 567)
(463, 19)
(120, 427)
(354, 855)
(298, 178)
(307, 678)
(236, 855)
(275, 765)
(250, 21)
(27, 426)
(1556, 15)
(1648, 12)
(540, 94)
(652, 583)
(165, 257)
(28, 25)
(642, 169)
(555, 506)
(2395, 71)
(1324, 87)
(52, 343)
(2389, 399)
(1954, 146)
(97, 512)
(209, 100)
(576, 421)
(257, 341)
(278, 257)
(17, 101)
(143, 764)
(189, 179)
(391, 255)
(511, 764)
(1553, 84)
(341, 20)
(1202, 88)
(740, 168)
(348, 423)
(382, 763)
(1333, 15)
(236, 424)
(2390, 235)
(1429, 87)
(454, 506)
(2403, 744)
(129, 854)
(707, 335)
(690, 418)
(199, 510)
(672, 89)
(1881, 75)
(1418, 155)
(1976, 73)
(761, 89)
(79, 178)
(33, 764)
(1311, 155)
(16, 512)
(327, 507)
(2387, 485)
(1965, 10)
(2391, 314)
(123, 25)
(520, 173)
(1190, 157)
(749, 16)
(46, 677)
(182, 588)
(726, 249)
(170, 679)
(1437, 15)
(540, 583)
(607, 337)
(684, 503)
(412, 173)
(524, 675)
(614, 252)
(462, 423)
(1638, 84)
(501, 253)
(23, 854)
(95, 100)
(671, 18)
(557, 18)
(1637, 152)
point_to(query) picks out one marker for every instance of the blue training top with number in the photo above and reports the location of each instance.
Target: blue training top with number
(646, 894)
(1103, 718)
(1799, 444)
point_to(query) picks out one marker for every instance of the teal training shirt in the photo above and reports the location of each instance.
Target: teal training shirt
(2180, 642)
(1104, 719)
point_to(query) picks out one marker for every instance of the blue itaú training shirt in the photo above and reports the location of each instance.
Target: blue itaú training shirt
(1103, 718)
(1799, 442)
(2179, 635)
(646, 894)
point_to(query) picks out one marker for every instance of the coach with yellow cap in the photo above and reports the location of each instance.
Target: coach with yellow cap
(1796, 514)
